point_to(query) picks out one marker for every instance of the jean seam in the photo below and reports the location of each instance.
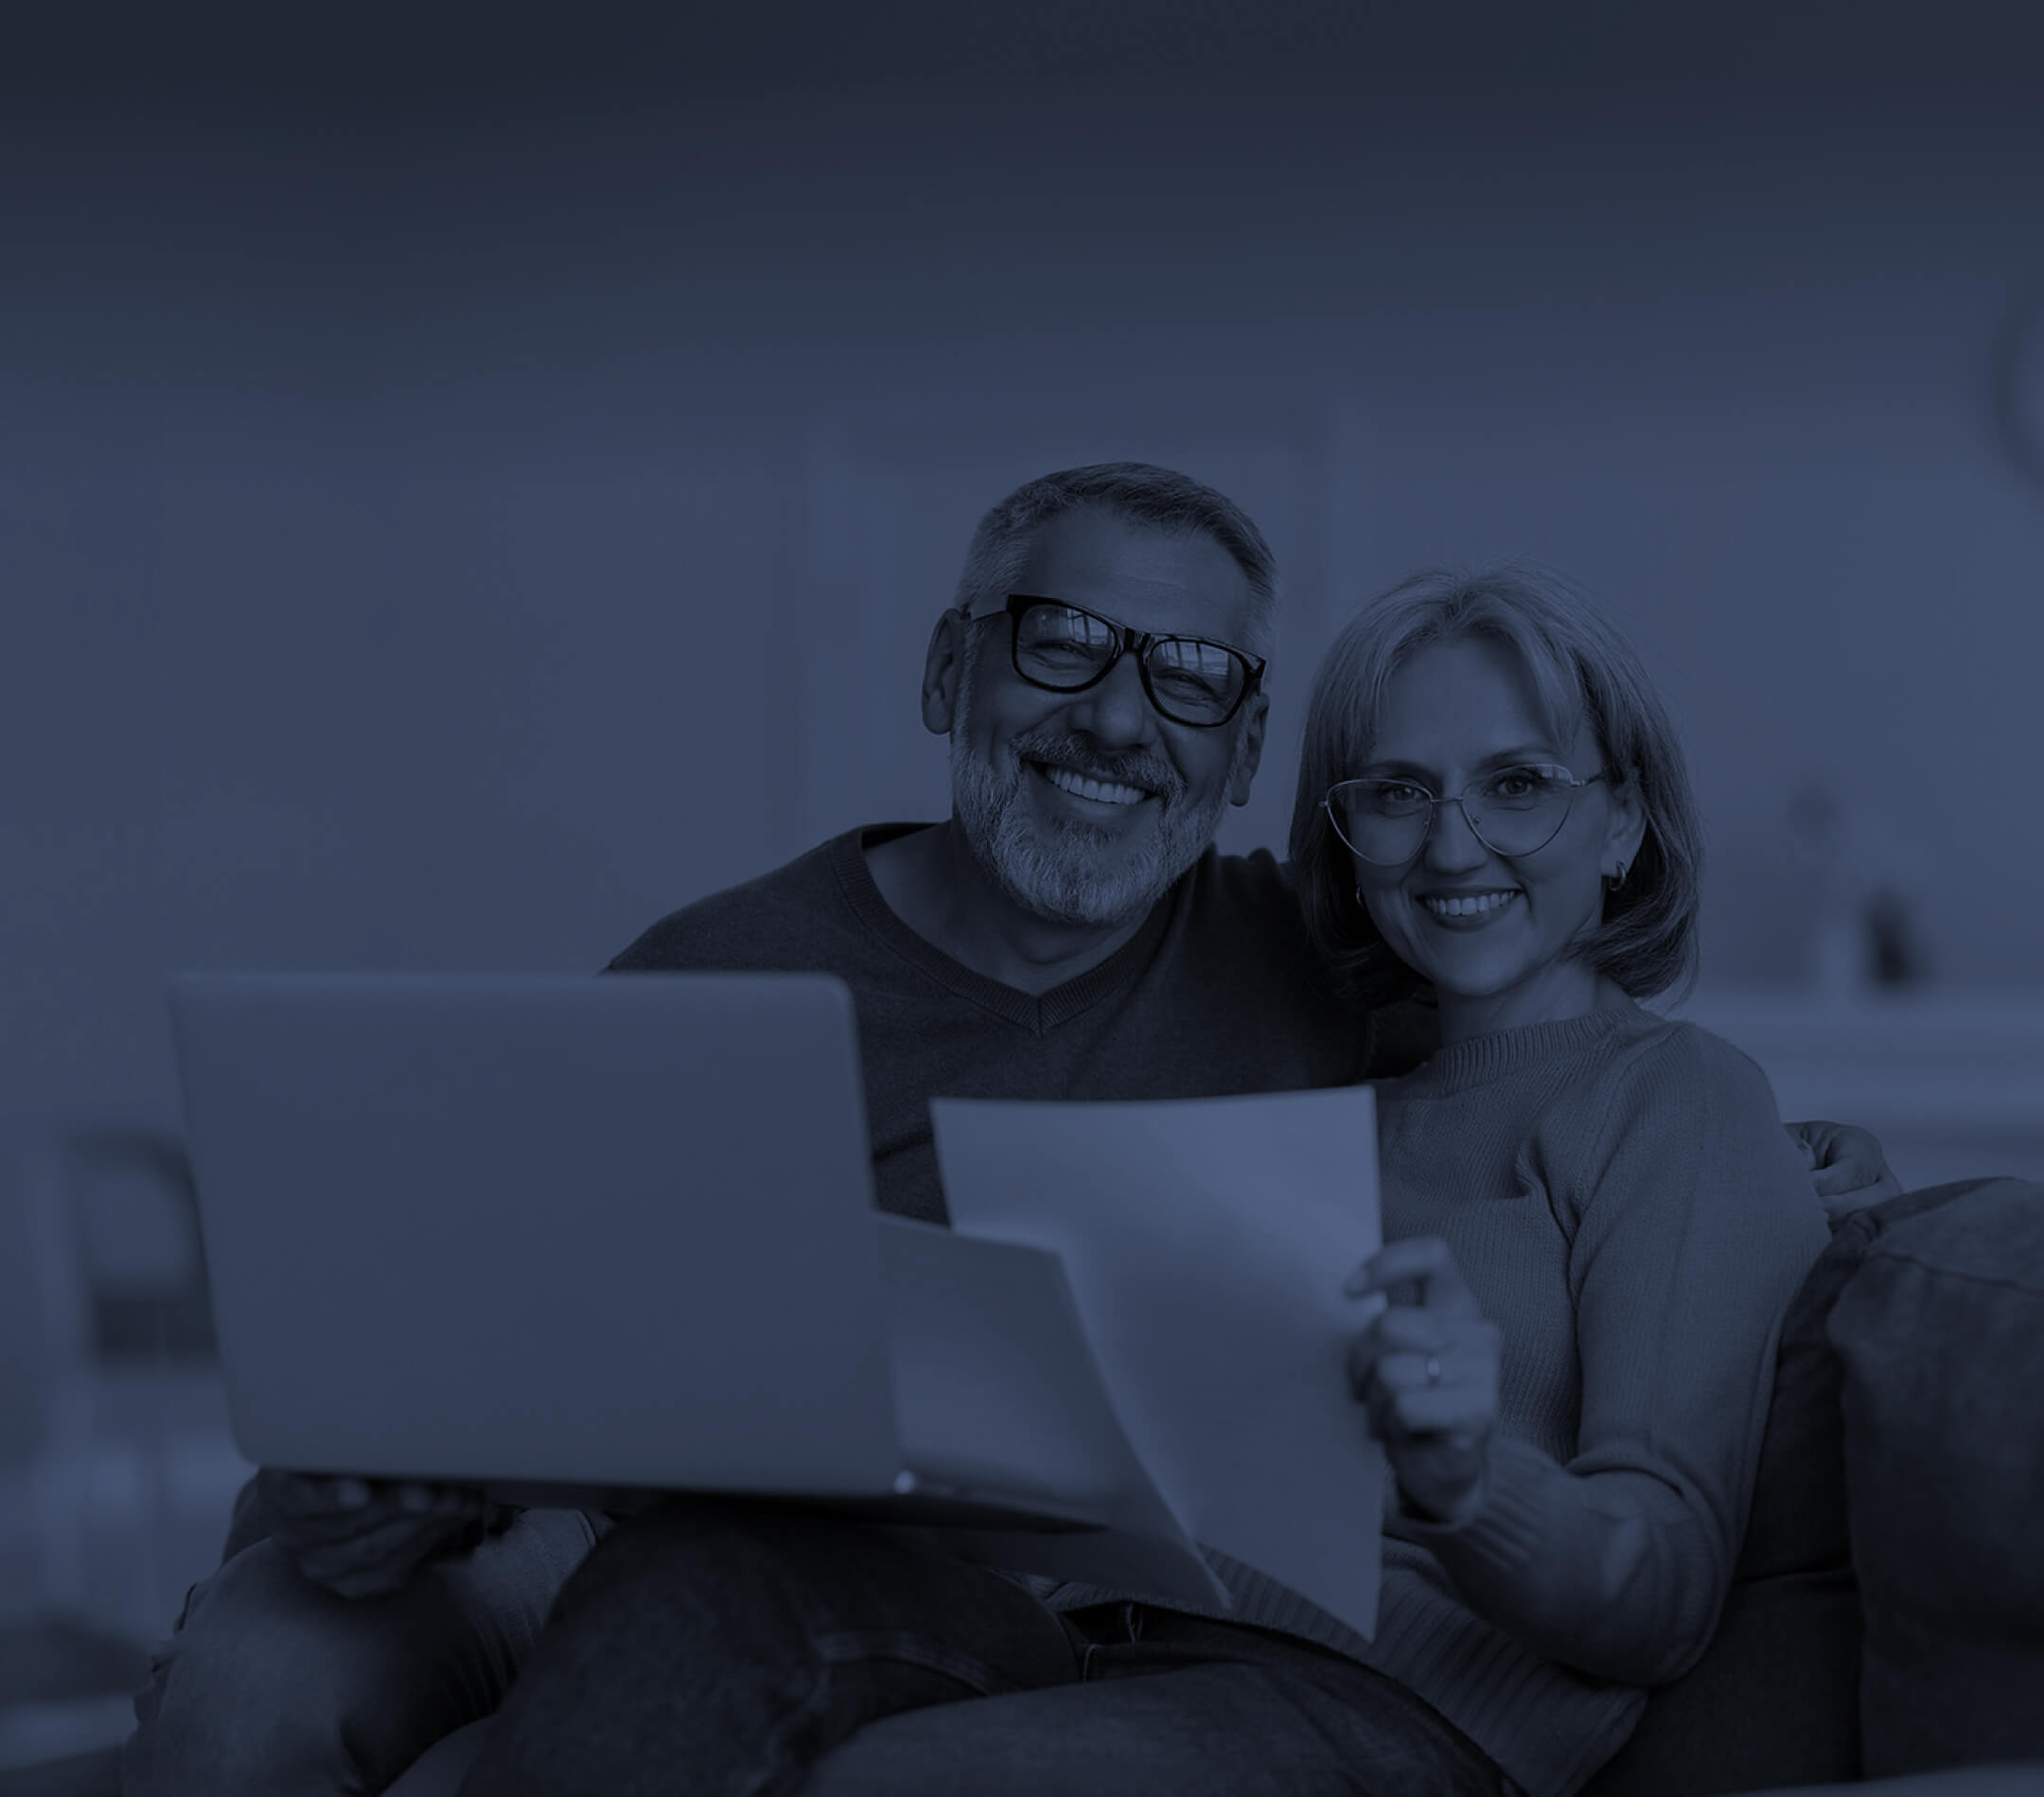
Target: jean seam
(843, 1648)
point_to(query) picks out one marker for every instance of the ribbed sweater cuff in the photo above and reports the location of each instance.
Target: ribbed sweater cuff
(1503, 1532)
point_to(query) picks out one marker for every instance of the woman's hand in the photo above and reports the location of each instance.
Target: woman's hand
(1427, 1368)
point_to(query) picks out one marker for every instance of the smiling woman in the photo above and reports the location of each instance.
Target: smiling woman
(1487, 902)
(1492, 806)
(1494, 810)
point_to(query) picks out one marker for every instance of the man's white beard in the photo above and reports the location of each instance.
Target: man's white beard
(1053, 866)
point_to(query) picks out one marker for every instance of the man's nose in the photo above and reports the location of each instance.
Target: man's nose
(1115, 710)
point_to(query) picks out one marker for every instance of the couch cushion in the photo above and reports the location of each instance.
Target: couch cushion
(1941, 1336)
(1775, 1699)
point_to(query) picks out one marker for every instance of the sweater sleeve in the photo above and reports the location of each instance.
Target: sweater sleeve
(1694, 1225)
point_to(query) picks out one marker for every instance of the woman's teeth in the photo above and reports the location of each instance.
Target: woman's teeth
(1471, 906)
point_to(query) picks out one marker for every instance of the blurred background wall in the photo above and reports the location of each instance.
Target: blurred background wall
(472, 483)
(464, 492)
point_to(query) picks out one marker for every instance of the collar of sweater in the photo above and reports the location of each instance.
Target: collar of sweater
(1504, 1053)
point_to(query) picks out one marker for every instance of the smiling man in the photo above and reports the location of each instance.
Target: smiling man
(1083, 786)
(1069, 929)
(1068, 932)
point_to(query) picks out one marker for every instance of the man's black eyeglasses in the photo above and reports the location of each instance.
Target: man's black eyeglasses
(1066, 648)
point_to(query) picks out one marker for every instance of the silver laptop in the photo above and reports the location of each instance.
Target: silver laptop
(584, 1239)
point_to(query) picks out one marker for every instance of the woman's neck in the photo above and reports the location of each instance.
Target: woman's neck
(1558, 993)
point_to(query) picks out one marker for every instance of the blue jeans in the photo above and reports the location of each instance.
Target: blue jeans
(719, 1648)
(271, 1685)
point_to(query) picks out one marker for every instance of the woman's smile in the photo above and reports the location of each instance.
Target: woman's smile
(1494, 934)
(1474, 910)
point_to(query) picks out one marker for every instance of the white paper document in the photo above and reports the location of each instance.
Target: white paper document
(997, 1396)
(1205, 1243)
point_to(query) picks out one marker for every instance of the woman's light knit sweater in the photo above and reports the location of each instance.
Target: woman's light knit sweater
(1624, 1202)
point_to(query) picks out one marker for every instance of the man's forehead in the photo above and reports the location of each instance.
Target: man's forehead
(1151, 578)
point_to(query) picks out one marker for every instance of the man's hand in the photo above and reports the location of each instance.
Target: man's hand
(360, 1539)
(1427, 1370)
(1846, 1164)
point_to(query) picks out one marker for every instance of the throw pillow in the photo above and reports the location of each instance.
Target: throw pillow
(1941, 1335)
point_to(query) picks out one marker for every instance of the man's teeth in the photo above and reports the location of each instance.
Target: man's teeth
(1104, 790)
(1468, 906)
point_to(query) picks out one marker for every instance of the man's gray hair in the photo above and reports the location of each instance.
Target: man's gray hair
(1138, 492)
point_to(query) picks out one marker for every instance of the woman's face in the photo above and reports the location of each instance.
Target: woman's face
(1494, 934)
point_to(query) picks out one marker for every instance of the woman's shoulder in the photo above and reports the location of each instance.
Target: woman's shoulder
(1649, 1036)
(1673, 1049)
(1683, 1111)
(1664, 1076)
(1672, 1089)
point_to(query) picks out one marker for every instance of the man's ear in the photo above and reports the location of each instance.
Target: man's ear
(1249, 747)
(943, 670)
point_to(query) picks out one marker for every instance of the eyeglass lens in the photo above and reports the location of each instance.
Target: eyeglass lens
(1514, 812)
(1191, 680)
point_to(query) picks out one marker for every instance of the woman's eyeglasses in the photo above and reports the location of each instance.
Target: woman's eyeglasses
(1514, 811)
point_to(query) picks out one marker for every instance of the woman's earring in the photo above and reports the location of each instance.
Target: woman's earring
(1359, 895)
(1613, 881)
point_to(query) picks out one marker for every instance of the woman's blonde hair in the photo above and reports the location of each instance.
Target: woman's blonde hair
(1581, 669)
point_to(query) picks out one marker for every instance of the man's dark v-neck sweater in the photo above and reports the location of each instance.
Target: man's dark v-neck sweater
(1218, 992)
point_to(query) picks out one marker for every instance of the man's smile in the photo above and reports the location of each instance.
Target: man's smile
(1089, 787)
